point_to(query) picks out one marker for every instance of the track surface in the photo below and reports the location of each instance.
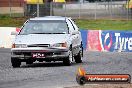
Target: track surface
(56, 75)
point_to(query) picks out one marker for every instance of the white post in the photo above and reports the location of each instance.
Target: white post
(95, 15)
(79, 10)
(111, 10)
(10, 7)
(38, 9)
(65, 9)
(128, 9)
(51, 8)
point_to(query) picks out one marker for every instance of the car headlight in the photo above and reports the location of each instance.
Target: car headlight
(59, 45)
(19, 46)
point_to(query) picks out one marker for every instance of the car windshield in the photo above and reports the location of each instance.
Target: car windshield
(44, 27)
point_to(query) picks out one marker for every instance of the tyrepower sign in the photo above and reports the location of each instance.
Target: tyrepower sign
(116, 41)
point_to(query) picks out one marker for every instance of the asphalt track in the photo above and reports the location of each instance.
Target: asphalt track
(56, 75)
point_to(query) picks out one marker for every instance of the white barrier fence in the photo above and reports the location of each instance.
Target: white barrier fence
(5, 36)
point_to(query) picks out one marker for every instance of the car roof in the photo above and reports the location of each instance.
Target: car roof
(49, 18)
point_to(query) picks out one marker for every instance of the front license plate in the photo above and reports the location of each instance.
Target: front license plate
(38, 55)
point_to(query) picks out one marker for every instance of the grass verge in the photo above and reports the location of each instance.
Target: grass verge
(6, 21)
(11, 22)
(105, 24)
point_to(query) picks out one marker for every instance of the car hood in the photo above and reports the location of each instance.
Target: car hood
(41, 38)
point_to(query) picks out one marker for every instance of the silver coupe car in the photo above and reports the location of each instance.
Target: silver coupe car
(49, 38)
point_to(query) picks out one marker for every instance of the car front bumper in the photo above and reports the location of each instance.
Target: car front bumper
(49, 53)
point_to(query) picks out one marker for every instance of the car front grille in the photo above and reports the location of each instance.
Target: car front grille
(30, 53)
(39, 45)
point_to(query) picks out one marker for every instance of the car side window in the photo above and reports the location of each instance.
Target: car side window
(70, 25)
(75, 26)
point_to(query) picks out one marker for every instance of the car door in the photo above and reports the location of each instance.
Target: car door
(79, 39)
(74, 36)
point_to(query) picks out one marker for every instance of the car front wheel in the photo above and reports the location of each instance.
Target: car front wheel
(67, 61)
(15, 62)
(29, 61)
(78, 57)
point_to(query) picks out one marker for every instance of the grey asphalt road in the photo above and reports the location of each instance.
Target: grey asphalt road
(56, 75)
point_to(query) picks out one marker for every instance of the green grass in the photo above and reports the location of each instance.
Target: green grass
(105, 24)
(6, 21)
(11, 22)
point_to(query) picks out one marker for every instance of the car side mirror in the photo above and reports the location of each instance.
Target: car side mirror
(14, 33)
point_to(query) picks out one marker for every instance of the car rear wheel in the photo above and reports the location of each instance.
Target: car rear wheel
(68, 61)
(15, 62)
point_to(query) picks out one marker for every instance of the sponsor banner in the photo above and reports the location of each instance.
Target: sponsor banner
(93, 40)
(5, 36)
(120, 41)
(84, 38)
